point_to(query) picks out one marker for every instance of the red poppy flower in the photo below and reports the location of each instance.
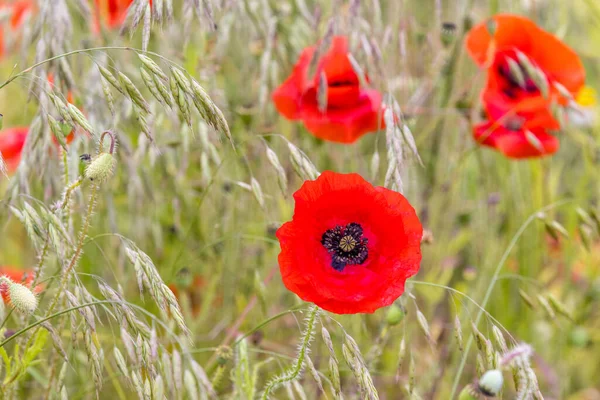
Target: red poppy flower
(512, 84)
(111, 12)
(516, 143)
(516, 135)
(18, 10)
(350, 246)
(15, 275)
(12, 141)
(352, 110)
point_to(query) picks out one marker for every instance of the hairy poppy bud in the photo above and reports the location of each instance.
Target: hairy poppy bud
(20, 297)
(101, 168)
(491, 383)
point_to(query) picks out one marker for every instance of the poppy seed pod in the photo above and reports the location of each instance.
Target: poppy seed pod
(490, 384)
(101, 168)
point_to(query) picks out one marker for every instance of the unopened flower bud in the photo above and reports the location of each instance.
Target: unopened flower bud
(394, 315)
(490, 384)
(101, 168)
(21, 298)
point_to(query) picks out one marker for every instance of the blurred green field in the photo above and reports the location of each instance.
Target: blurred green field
(185, 200)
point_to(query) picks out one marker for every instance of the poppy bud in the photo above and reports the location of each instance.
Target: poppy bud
(20, 297)
(491, 383)
(394, 315)
(579, 337)
(224, 354)
(101, 168)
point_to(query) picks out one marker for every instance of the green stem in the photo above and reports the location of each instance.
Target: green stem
(79, 51)
(295, 370)
(490, 288)
(57, 314)
(78, 249)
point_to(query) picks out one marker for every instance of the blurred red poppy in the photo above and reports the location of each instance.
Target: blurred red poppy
(516, 135)
(529, 72)
(12, 141)
(516, 143)
(111, 12)
(350, 246)
(350, 110)
(18, 11)
(16, 275)
(192, 291)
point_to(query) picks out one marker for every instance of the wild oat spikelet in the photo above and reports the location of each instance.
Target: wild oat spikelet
(20, 297)
(101, 168)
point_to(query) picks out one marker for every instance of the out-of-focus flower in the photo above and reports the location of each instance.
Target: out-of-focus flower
(530, 73)
(111, 13)
(332, 104)
(10, 29)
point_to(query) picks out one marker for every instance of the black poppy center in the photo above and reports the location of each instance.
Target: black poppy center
(341, 83)
(346, 244)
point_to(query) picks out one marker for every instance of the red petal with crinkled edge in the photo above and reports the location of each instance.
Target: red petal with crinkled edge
(389, 223)
(515, 143)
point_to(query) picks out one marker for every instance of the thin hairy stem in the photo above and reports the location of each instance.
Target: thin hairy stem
(78, 249)
(295, 370)
(491, 285)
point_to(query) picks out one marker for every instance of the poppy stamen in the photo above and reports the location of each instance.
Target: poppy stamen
(346, 245)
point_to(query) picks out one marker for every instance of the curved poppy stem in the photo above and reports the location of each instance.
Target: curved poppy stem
(490, 287)
(113, 141)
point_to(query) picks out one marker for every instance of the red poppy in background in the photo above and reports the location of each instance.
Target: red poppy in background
(529, 71)
(516, 143)
(16, 275)
(350, 246)
(19, 10)
(112, 12)
(12, 141)
(351, 110)
(193, 292)
(515, 135)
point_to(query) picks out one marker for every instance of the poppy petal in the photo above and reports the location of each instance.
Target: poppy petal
(288, 96)
(516, 144)
(345, 125)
